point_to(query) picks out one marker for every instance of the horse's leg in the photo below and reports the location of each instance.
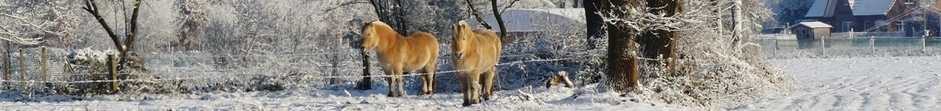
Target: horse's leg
(388, 72)
(428, 87)
(462, 78)
(487, 82)
(398, 80)
(474, 76)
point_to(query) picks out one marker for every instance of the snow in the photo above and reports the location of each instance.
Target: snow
(822, 8)
(871, 7)
(815, 24)
(370, 100)
(877, 83)
(880, 83)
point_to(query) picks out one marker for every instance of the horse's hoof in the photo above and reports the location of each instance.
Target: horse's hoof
(466, 103)
(428, 93)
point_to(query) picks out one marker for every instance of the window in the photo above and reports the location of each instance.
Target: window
(847, 26)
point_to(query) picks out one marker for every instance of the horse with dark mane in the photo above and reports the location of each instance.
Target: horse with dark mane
(400, 54)
(475, 54)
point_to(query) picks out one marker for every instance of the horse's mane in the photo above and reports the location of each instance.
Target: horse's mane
(379, 26)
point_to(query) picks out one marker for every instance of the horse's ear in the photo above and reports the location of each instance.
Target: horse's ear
(365, 25)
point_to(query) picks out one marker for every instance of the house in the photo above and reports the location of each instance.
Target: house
(811, 30)
(527, 23)
(908, 17)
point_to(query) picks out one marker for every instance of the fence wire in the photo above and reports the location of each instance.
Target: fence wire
(55, 74)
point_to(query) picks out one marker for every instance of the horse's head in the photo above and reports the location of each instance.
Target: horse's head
(370, 35)
(462, 32)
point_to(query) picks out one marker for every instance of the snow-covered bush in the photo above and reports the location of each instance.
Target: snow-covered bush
(713, 68)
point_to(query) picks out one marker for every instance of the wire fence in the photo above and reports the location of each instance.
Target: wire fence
(851, 47)
(61, 71)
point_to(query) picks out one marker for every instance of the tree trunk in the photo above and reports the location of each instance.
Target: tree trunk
(622, 70)
(737, 24)
(593, 21)
(660, 43)
(719, 23)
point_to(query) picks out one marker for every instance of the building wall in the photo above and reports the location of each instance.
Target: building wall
(843, 13)
(821, 33)
(865, 22)
(806, 33)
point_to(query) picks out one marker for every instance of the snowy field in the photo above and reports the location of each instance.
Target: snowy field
(879, 83)
(882, 84)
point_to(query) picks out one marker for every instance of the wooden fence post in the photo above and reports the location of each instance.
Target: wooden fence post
(42, 63)
(113, 71)
(366, 83)
(823, 46)
(6, 68)
(872, 45)
(23, 68)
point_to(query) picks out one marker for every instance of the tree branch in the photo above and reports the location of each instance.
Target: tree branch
(477, 15)
(345, 4)
(497, 14)
(508, 6)
(92, 8)
(129, 43)
(30, 24)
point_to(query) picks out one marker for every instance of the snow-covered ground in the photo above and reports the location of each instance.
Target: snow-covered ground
(881, 83)
(878, 83)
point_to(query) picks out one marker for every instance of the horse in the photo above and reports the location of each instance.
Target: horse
(475, 54)
(399, 54)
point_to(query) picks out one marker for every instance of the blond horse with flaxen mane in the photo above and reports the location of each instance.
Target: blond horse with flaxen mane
(475, 55)
(399, 54)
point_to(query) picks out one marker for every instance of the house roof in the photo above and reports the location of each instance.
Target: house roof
(871, 7)
(532, 20)
(815, 24)
(822, 8)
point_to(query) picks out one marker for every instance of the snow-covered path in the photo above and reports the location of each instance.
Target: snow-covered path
(882, 84)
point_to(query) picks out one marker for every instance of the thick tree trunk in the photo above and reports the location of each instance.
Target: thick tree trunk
(593, 21)
(622, 70)
(660, 42)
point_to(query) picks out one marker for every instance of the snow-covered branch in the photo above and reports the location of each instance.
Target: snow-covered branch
(639, 19)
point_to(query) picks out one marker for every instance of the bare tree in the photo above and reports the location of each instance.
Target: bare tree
(127, 58)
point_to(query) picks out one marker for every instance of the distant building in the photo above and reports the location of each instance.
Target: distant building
(522, 23)
(910, 17)
(811, 30)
